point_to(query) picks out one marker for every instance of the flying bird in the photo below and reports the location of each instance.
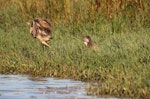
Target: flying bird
(41, 29)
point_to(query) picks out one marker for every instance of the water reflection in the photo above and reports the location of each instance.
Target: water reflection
(25, 87)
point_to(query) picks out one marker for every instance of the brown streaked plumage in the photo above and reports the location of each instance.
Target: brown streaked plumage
(88, 41)
(41, 29)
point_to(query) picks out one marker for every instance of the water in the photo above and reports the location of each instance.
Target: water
(26, 87)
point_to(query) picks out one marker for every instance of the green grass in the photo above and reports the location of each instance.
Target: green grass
(119, 65)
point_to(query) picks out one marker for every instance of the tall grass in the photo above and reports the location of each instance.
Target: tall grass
(119, 64)
(133, 12)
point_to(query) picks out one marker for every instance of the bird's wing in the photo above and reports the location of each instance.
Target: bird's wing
(33, 29)
(43, 23)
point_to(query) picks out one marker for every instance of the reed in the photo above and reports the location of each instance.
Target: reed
(79, 11)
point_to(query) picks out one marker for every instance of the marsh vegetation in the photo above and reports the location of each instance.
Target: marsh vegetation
(119, 65)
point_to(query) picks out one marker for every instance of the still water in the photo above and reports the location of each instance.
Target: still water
(26, 87)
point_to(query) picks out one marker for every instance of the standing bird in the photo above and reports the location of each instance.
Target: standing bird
(88, 41)
(41, 29)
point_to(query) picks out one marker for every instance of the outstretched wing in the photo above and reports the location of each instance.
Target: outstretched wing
(44, 24)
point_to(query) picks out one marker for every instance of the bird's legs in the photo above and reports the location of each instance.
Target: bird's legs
(43, 42)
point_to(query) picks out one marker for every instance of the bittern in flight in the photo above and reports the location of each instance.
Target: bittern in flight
(41, 29)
